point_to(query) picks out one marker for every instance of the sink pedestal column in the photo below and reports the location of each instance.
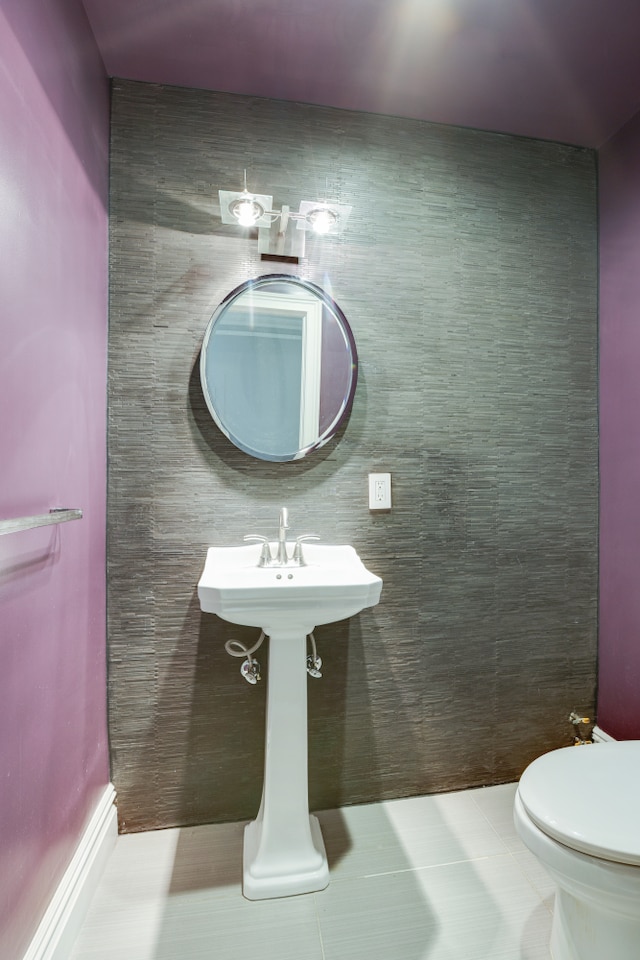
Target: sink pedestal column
(283, 848)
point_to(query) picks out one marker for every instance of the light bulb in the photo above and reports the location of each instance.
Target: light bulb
(246, 211)
(322, 220)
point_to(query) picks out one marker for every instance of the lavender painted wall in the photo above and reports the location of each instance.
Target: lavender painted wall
(619, 656)
(53, 305)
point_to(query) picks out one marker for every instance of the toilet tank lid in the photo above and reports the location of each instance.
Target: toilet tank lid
(588, 798)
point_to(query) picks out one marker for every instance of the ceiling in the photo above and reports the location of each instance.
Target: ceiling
(566, 70)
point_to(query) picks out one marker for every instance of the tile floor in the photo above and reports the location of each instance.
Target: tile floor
(428, 878)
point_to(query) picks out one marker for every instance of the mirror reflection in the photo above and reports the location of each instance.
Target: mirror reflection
(278, 367)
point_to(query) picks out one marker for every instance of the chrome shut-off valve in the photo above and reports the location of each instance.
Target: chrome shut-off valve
(314, 662)
(250, 670)
(313, 666)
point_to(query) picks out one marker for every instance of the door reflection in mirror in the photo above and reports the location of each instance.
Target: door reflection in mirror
(278, 367)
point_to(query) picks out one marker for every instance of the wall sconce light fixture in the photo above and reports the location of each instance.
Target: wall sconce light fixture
(247, 209)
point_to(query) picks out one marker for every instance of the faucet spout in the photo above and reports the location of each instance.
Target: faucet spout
(283, 526)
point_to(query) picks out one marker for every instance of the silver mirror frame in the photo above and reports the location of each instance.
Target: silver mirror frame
(350, 355)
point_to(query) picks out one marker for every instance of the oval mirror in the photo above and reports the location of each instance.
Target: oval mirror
(278, 367)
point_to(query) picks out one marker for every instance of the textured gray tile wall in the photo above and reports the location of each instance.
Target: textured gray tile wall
(468, 274)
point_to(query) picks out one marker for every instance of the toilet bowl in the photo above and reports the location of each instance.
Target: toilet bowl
(578, 811)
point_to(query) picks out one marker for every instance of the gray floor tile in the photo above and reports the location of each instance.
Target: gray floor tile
(426, 878)
(197, 927)
(406, 834)
(480, 910)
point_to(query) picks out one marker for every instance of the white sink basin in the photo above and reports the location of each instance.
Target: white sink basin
(284, 852)
(334, 584)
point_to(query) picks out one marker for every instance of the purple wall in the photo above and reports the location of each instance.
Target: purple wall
(54, 119)
(619, 656)
(563, 70)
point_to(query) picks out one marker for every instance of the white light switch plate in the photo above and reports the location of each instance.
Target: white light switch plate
(379, 491)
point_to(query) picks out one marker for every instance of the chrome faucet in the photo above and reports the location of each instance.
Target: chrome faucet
(282, 558)
(283, 526)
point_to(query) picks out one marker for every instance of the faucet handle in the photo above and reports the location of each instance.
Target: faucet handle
(265, 553)
(297, 550)
(284, 518)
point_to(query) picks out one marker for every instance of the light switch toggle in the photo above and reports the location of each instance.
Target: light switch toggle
(379, 491)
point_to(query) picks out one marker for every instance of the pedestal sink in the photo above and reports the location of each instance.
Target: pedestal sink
(283, 848)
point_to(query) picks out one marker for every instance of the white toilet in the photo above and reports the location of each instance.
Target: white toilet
(578, 811)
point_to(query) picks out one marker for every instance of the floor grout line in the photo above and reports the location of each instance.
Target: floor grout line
(497, 832)
(316, 907)
(426, 866)
(530, 882)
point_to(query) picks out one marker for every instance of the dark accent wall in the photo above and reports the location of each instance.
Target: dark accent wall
(468, 274)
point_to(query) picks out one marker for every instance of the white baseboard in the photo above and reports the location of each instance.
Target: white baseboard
(599, 736)
(61, 923)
